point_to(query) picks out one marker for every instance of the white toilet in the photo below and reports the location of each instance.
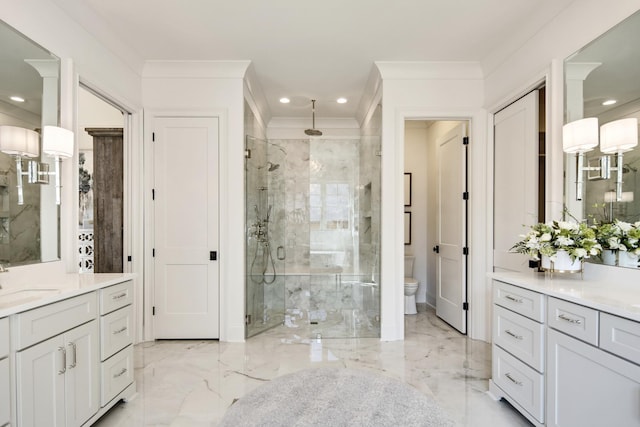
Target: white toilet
(410, 286)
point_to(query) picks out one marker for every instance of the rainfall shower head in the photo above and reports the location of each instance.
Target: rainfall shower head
(313, 131)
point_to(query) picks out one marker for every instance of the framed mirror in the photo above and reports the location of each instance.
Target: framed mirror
(29, 99)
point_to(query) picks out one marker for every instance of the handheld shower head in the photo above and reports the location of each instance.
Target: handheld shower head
(313, 131)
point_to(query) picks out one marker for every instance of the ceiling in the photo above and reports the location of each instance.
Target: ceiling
(316, 50)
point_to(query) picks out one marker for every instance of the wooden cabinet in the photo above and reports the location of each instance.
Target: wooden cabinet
(58, 379)
(5, 376)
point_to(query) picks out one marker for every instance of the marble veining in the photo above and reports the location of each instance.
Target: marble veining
(192, 383)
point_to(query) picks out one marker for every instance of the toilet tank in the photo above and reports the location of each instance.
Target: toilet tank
(408, 265)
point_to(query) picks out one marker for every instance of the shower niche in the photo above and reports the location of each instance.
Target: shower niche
(312, 236)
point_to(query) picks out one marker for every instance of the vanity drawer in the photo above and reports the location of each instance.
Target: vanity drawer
(45, 322)
(620, 336)
(522, 301)
(115, 297)
(522, 383)
(117, 374)
(116, 332)
(5, 413)
(573, 319)
(521, 337)
(4, 338)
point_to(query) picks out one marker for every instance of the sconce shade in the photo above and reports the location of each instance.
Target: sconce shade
(610, 197)
(619, 136)
(17, 141)
(580, 136)
(57, 141)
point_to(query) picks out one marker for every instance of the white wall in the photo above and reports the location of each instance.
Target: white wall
(417, 162)
(435, 91)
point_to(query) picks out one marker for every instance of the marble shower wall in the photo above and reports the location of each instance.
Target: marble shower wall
(19, 224)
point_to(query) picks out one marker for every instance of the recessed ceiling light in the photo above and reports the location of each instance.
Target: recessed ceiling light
(341, 100)
(16, 98)
(609, 102)
(285, 100)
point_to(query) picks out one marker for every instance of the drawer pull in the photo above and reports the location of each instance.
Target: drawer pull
(508, 332)
(119, 331)
(63, 359)
(121, 373)
(513, 380)
(116, 297)
(73, 352)
(570, 319)
(514, 299)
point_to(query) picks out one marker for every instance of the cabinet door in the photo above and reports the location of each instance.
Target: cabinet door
(82, 387)
(40, 379)
(5, 411)
(588, 387)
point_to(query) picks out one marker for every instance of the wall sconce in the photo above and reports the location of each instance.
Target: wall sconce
(58, 143)
(616, 137)
(22, 143)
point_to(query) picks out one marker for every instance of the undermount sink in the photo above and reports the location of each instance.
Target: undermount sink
(22, 296)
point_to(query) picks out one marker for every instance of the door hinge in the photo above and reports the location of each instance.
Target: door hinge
(153, 136)
(465, 306)
(465, 140)
(247, 154)
(213, 255)
(465, 251)
(129, 258)
(153, 252)
(465, 195)
(247, 319)
(153, 194)
(153, 310)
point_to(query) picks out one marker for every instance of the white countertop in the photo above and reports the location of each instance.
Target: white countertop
(15, 299)
(621, 298)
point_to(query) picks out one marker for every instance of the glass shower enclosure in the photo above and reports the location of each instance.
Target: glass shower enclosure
(313, 221)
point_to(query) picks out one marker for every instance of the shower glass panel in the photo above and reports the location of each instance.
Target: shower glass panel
(265, 194)
(313, 227)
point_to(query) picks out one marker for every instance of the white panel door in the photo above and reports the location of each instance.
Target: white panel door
(186, 288)
(515, 186)
(450, 261)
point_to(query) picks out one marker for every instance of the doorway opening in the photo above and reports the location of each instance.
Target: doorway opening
(101, 138)
(436, 159)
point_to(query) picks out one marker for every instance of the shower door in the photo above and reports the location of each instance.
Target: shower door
(265, 231)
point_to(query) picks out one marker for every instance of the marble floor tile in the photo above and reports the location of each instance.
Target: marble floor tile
(192, 383)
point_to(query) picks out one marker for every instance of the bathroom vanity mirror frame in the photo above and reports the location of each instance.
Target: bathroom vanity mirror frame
(29, 233)
(605, 69)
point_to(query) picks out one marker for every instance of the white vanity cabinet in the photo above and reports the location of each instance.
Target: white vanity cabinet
(5, 378)
(57, 371)
(116, 340)
(518, 349)
(567, 352)
(589, 381)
